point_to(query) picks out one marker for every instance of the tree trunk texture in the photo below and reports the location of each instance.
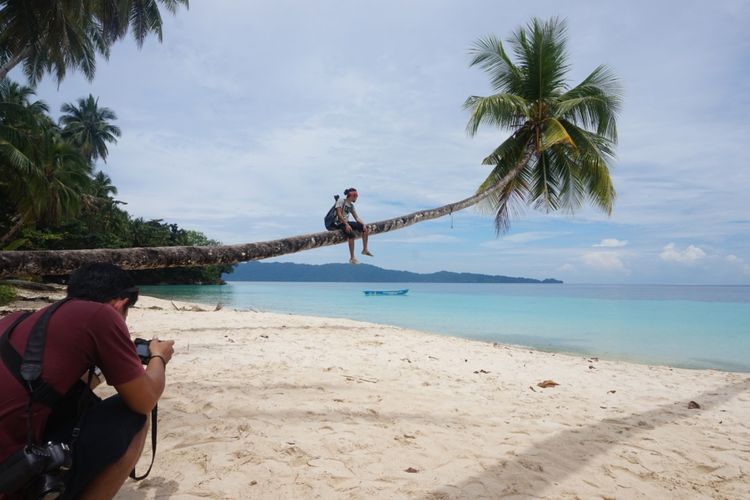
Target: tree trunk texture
(63, 262)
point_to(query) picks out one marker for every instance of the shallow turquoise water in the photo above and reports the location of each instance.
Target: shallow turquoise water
(686, 326)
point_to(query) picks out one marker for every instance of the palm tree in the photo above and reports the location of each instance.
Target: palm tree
(102, 187)
(140, 17)
(556, 155)
(19, 119)
(562, 138)
(57, 35)
(53, 194)
(87, 126)
(22, 121)
(56, 195)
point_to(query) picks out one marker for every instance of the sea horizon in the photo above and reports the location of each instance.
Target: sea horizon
(688, 326)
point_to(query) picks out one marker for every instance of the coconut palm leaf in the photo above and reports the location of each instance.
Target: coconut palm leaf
(88, 126)
(56, 36)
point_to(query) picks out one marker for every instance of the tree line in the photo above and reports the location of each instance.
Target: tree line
(52, 196)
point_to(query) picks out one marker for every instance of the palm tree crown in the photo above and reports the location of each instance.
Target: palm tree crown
(562, 137)
(88, 127)
(58, 35)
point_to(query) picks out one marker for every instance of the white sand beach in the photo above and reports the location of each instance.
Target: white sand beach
(262, 405)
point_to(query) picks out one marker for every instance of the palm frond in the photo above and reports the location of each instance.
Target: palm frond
(590, 144)
(553, 132)
(502, 110)
(511, 150)
(544, 188)
(571, 190)
(599, 188)
(488, 53)
(541, 52)
(14, 158)
(511, 155)
(144, 19)
(506, 204)
(594, 103)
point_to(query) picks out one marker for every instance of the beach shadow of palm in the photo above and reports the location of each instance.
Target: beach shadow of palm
(531, 471)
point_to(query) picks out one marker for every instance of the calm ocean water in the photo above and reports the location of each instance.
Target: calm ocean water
(685, 326)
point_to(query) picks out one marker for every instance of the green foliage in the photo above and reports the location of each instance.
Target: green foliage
(50, 196)
(562, 137)
(88, 127)
(111, 227)
(7, 294)
(59, 35)
(52, 199)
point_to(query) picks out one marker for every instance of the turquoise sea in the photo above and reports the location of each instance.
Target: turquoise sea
(684, 326)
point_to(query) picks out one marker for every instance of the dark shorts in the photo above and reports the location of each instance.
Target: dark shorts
(356, 226)
(107, 429)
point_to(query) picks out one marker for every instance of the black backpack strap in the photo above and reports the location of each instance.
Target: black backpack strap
(153, 447)
(10, 357)
(31, 367)
(41, 391)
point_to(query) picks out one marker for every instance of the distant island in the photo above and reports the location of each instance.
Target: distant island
(287, 271)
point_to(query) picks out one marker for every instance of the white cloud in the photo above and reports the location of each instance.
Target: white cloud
(612, 243)
(529, 236)
(736, 261)
(567, 268)
(689, 256)
(604, 261)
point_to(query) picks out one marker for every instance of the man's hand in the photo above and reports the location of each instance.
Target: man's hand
(163, 348)
(348, 228)
(141, 394)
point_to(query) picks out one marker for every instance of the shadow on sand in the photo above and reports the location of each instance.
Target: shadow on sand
(530, 472)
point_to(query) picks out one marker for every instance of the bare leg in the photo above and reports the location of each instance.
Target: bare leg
(365, 233)
(109, 482)
(352, 259)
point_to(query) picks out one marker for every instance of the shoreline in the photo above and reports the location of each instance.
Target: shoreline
(549, 344)
(268, 405)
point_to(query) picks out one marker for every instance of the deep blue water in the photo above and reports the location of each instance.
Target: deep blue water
(686, 326)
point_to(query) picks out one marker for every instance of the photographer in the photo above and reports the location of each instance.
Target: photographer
(88, 330)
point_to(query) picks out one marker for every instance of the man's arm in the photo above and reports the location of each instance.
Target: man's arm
(141, 394)
(356, 217)
(344, 221)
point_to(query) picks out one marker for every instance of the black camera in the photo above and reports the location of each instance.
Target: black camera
(38, 469)
(141, 348)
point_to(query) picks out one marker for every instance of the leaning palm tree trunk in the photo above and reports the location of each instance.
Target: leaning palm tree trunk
(61, 262)
(13, 62)
(5, 239)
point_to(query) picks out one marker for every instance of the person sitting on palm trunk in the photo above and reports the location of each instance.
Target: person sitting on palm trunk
(344, 207)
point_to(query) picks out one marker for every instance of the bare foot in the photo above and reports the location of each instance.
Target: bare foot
(353, 261)
(367, 252)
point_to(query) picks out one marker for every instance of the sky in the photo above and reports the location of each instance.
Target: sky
(249, 116)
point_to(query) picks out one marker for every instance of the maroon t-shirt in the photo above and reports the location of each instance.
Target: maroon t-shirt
(80, 334)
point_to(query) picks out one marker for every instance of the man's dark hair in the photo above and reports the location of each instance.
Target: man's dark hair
(101, 282)
(347, 191)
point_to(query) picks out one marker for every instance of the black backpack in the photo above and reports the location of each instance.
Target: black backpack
(331, 219)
